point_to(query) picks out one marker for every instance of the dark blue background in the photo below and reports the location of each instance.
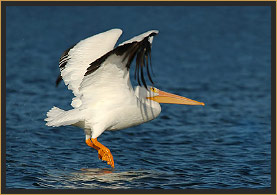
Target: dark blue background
(218, 55)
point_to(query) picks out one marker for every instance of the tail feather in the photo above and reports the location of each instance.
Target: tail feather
(57, 117)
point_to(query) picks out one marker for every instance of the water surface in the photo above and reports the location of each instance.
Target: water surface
(218, 55)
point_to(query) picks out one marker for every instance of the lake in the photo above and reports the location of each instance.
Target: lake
(218, 55)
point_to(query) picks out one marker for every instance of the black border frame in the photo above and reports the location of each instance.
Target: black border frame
(272, 4)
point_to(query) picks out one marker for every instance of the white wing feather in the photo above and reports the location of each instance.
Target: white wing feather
(82, 54)
(110, 84)
(107, 87)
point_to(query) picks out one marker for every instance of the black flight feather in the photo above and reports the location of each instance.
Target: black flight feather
(62, 62)
(141, 50)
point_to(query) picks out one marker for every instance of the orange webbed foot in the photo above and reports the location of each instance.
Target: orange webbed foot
(104, 153)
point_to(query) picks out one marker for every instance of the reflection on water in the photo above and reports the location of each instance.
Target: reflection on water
(95, 178)
(108, 175)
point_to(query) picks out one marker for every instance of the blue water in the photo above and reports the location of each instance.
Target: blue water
(218, 55)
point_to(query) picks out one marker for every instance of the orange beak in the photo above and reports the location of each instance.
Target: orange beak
(170, 98)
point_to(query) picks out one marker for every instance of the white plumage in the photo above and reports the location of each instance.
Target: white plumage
(98, 75)
(104, 99)
(82, 54)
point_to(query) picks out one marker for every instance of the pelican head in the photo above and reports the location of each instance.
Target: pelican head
(157, 95)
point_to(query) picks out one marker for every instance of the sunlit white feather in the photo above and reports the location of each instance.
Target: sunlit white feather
(105, 99)
(82, 54)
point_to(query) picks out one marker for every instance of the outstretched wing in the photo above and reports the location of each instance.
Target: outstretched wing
(75, 60)
(108, 76)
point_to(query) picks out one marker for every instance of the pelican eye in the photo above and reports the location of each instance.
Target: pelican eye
(153, 89)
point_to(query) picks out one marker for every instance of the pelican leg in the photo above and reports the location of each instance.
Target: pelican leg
(103, 152)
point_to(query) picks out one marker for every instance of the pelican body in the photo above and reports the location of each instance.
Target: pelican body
(97, 72)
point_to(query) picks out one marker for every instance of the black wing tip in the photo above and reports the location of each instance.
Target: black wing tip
(62, 63)
(141, 50)
(143, 58)
(59, 79)
(153, 34)
(146, 58)
(64, 58)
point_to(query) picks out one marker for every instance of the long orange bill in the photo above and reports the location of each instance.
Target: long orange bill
(170, 98)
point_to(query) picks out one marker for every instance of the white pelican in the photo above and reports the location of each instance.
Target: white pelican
(98, 75)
